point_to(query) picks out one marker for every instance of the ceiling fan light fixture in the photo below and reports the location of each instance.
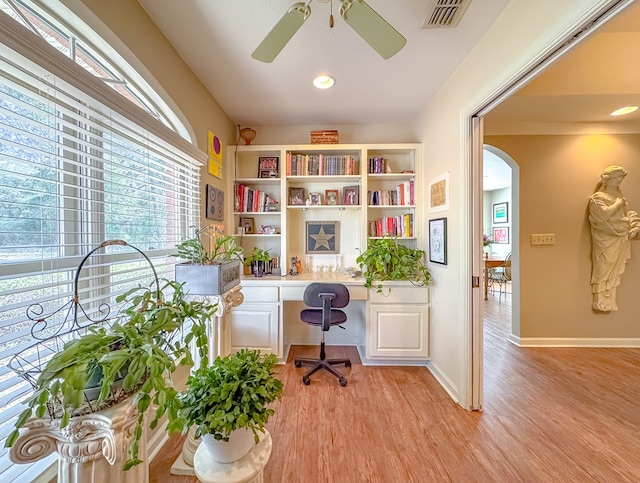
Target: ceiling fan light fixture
(624, 110)
(324, 81)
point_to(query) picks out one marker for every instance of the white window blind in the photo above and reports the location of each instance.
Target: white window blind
(74, 173)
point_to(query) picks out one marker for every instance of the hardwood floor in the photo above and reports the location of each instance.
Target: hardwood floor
(550, 415)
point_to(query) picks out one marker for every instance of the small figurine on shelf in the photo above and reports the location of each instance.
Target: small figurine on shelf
(296, 266)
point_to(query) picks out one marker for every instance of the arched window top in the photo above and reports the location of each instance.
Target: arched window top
(62, 29)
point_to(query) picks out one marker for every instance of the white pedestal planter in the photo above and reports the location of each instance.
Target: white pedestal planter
(91, 449)
(240, 443)
(247, 469)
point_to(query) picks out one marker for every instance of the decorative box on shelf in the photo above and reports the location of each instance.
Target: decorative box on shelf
(324, 137)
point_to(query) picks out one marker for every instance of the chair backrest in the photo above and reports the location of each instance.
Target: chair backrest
(312, 293)
(507, 266)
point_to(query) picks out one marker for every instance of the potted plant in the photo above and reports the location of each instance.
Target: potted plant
(258, 260)
(387, 259)
(134, 356)
(211, 271)
(228, 403)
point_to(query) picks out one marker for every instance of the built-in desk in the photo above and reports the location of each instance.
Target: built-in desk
(389, 329)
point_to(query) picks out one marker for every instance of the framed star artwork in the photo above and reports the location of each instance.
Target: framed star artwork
(322, 237)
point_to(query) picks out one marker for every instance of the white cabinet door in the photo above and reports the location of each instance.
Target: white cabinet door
(254, 326)
(398, 331)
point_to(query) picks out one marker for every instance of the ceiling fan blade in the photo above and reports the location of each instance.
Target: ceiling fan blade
(369, 25)
(286, 28)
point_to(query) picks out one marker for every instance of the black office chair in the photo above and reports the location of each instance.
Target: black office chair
(331, 297)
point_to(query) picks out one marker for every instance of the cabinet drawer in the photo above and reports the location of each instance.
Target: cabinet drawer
(254, 293)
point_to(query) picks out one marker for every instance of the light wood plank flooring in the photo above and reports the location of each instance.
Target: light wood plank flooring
(550, 415)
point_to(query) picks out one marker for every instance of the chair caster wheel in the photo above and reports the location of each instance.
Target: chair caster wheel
(298, 363)
(306, 380)
(347, 364)
(343, 381)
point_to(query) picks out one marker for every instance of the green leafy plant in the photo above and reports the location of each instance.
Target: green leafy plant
(143, 344)
(222, 247)
(231, 394)
(257, 255)
(387, 259)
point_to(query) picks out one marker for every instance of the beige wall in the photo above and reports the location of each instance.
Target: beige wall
(150, 49)
(558, 174)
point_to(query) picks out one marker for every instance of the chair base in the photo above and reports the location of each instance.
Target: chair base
(322, 363)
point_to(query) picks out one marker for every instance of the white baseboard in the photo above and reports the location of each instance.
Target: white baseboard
(574, 342)
(155, 444)
(444, 381)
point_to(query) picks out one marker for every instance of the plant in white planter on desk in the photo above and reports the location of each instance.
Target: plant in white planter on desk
(228, 403)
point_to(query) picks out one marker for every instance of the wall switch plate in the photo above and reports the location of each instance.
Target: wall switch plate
(543, 238)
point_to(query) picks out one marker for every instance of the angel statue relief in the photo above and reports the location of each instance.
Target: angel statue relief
(613, 225)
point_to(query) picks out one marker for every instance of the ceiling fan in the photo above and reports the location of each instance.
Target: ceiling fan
(367, 23)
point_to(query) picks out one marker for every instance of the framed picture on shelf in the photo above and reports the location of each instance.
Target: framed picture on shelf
(268, 166)
(249, 225)
(501, 212)
(351, 195)
(501, 234)
(297, 196)
(332, 197)
(315, 198)
(438, 241)
(322, 237)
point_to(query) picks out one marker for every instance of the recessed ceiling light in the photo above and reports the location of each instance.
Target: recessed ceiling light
(624, 110)
(324, 81)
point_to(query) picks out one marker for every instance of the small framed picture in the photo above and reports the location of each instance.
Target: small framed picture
(297, 196)
(501, 234)
(268, 166)
(438, 241)
(268, 229)
(351, 195)
(322, 237)
(315, 198)
(332, 197)
(248, 224)
(501, 212)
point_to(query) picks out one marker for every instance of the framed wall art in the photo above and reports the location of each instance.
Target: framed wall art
(322, 237)
(438, 194)
(501, 234)
(215, 203)
(501, 212)
(438, 241)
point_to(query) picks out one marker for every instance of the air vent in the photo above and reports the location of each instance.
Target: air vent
(445, 13)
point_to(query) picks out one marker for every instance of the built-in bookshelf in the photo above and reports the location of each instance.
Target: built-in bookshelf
(361, 191)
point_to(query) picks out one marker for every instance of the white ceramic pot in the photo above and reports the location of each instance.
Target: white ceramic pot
(240, 443)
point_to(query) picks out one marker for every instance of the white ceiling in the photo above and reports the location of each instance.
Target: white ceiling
(216, 39)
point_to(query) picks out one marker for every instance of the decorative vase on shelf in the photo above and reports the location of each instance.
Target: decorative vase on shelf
(247, 134)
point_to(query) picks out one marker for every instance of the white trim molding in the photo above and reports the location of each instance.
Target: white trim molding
(604, 342)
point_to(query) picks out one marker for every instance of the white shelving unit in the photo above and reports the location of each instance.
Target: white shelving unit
(289, 221)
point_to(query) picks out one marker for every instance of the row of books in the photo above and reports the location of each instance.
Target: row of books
(321, 165)
(401, 225)
(400, 195)
(247, 199)
(377, 166)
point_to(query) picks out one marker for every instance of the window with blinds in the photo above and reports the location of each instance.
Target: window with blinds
(74, 173)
